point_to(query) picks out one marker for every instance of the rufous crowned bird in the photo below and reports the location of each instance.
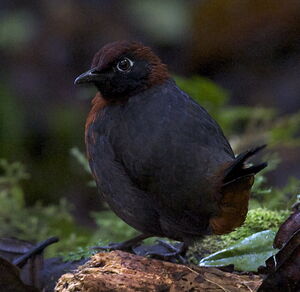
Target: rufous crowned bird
(160, 161)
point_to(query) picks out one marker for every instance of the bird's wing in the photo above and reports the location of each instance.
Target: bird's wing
(130, 203)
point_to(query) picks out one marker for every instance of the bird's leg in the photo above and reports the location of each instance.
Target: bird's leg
(125, 245)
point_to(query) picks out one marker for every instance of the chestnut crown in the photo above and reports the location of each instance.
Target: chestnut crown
(122, 69)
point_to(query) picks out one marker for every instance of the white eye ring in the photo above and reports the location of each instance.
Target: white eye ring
(124, 65)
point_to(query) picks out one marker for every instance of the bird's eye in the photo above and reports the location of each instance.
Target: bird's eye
(124, 65)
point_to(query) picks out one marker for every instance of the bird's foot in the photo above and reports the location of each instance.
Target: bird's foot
(163, 250)
(114, 246)
(126, 245)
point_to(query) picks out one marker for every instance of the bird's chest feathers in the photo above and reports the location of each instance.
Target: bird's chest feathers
(136, 130)
(98, 104)
(138, 133)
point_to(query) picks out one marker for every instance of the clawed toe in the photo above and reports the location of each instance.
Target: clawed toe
(113, 246)
(163, 250)
(126, 245)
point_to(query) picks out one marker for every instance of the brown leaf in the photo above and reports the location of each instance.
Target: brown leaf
(287, 229)
(10, 279)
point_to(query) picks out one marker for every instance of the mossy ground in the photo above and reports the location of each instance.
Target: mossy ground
(257, 220)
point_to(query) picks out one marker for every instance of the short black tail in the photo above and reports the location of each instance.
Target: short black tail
(237, 169)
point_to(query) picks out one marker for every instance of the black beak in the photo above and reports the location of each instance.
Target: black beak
(87, 77)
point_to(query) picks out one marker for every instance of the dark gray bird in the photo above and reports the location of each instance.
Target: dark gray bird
(159, 159)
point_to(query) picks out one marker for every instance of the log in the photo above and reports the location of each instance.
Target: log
(121, 271)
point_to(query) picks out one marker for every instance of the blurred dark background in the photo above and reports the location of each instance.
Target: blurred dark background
(251, 48)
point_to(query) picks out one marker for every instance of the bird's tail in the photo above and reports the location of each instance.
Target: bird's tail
(237, 169)
(237, 182)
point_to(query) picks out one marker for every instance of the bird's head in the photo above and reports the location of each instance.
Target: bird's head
(122, 69)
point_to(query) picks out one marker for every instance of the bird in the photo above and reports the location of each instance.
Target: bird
(160, 161)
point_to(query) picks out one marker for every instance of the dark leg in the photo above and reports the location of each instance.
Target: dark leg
(125, 245)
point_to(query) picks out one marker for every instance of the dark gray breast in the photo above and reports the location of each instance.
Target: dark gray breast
(168, 144)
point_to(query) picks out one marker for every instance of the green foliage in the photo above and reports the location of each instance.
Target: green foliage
(78, 253)
(215, 99)
(284, 197)
(285, 130)
(248, 122)
(55, 167)
(257, 220)
(34, 223)
(245, 120)
(37, 222)
(81, 159)
(111, 227)
(11, 128)
(83, 162)
(10, 189)
(246, 255)
(204, 91)
(276, 198)
(260, 188)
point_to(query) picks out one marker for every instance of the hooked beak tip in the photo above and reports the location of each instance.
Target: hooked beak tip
(86, 77)
(77, 81)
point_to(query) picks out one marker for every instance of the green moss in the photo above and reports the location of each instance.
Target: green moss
(257, 220)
